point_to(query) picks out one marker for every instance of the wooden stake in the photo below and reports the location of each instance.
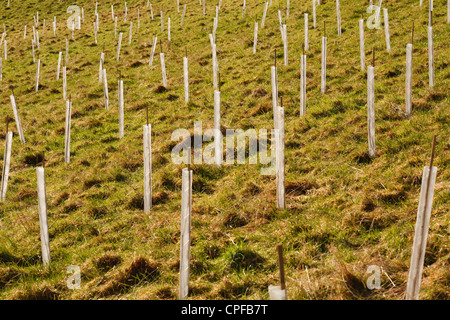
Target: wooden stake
(281, 266)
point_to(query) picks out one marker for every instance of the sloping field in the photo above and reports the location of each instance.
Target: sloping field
(345, 211)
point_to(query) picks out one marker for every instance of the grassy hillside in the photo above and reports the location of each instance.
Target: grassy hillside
(344, 210)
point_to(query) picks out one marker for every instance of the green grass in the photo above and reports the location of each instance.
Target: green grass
(344, 211)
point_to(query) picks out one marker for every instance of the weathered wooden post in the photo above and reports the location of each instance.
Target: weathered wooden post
(279, 292)
(386, 30)
(280, 167)
(421, 229)
(243, 8)
(371, 108)
(42, 200)
(67, 130)
(6, 161)
(362, 52)
(186, 212)
(162, 22)
(147, 128)
(17, 118)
